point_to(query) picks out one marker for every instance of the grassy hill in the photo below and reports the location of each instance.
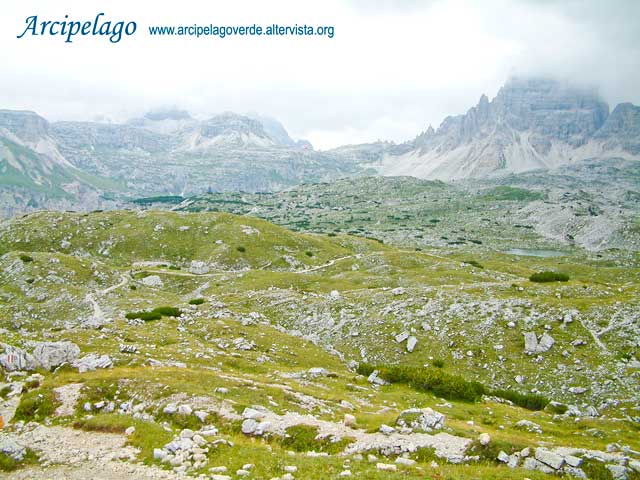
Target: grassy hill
(262, 306)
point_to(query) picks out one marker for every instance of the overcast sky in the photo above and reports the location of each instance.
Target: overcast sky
(392, 68)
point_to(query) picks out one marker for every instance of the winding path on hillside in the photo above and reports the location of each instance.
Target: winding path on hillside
(98, 314)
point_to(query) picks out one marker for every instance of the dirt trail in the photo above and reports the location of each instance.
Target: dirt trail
(74, 454)
(98, 314)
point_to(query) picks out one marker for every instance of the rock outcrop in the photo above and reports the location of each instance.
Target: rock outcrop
(45, 355)
(530, 124)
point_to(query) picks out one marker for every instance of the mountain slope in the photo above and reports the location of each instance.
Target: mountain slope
(530, 124)
(569, 206)
(169, 153)
(34, 173)
(263, 354)
(90, 165)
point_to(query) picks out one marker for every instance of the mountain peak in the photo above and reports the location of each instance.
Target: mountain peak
(531, 123)
(167, 114)
(25, 125)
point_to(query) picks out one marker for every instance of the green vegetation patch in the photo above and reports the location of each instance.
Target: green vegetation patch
(169, 199)
(545, 277)
(529, 401)
(36, 405)
(155, 314)
(451, 387)
(9, 464)
(473, 263)
(304, 438)
(434, 380)
(506, 193)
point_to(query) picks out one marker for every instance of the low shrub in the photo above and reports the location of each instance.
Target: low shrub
(308, 253)
(596, 470)
(36, 405)
(529, 401)
(427, 455)
(434, 380)
(196, 301)
(302, 438)
(473, 263)
(446, 385)
(9, 464)
(168, 311)
(104, 422)
(146, 316)
(4, 391)
(241, 249)
(155, 314)
(26, 258)
(438, 363)
(545, 277)
(513, 194)
(559, 408)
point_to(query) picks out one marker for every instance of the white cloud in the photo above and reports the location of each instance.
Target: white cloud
(391, 69)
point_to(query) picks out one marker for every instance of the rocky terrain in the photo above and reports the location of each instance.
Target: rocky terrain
(88, 165)
(532, 124)
(151, 344)
(556, 210)
(222, 301)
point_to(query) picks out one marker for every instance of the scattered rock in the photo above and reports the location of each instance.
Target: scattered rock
(318, 372)
(577, 390)
(124, 348)
(425, 420)
(532, 345)
(152, 281)
(185, 410)
(401, 337)
(375, 379)
(386, 429)
(198, 268)
(387, 467)
(92, 362)
(411, 343)
(549, 458)
(545, 343)
(241, 343)
(249, 426)
(11, 448)
(529, 426)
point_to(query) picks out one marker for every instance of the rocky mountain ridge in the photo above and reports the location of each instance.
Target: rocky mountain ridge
(530, 124)
(167, 152)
